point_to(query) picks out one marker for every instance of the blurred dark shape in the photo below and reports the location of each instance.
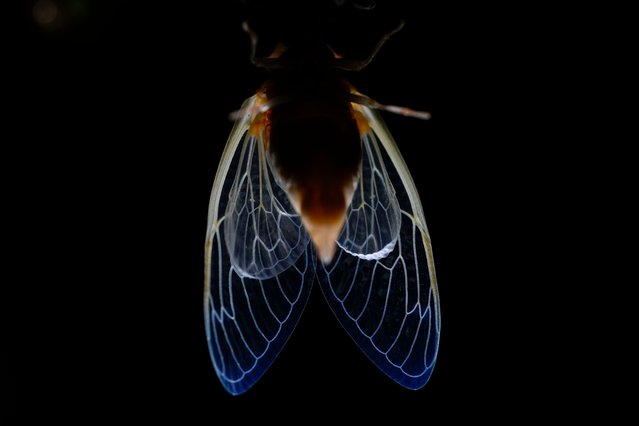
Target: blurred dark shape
(77, 21)
(45, 12)
(60, 15)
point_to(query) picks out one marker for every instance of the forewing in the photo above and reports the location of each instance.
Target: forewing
(248, 319)
(390, 305)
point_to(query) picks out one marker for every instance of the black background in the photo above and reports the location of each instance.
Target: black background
(126, 108)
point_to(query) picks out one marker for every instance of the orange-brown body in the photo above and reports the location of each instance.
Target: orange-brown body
(314, 146)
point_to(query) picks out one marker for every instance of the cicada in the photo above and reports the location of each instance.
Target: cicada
(312, 187)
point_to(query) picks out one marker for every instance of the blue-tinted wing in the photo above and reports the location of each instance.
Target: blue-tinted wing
(259, 266)
(388, 303)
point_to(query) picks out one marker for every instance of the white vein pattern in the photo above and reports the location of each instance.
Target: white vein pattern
(260, 265)
(372, 225)
(248, 318)
(390, 305)
(264, 235)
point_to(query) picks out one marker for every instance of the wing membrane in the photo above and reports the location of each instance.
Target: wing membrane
(389, 304)
(248, 318)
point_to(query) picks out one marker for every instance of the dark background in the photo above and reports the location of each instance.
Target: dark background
(126, 107)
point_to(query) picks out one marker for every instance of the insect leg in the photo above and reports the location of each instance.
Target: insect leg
(273, 60)
(371, 103)
(357, 65)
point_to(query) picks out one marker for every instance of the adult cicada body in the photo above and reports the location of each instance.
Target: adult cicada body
(312, 186)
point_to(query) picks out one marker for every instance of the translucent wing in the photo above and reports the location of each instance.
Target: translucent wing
(264, 235)
(250, 314)
(389, 303)
(372, 225)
